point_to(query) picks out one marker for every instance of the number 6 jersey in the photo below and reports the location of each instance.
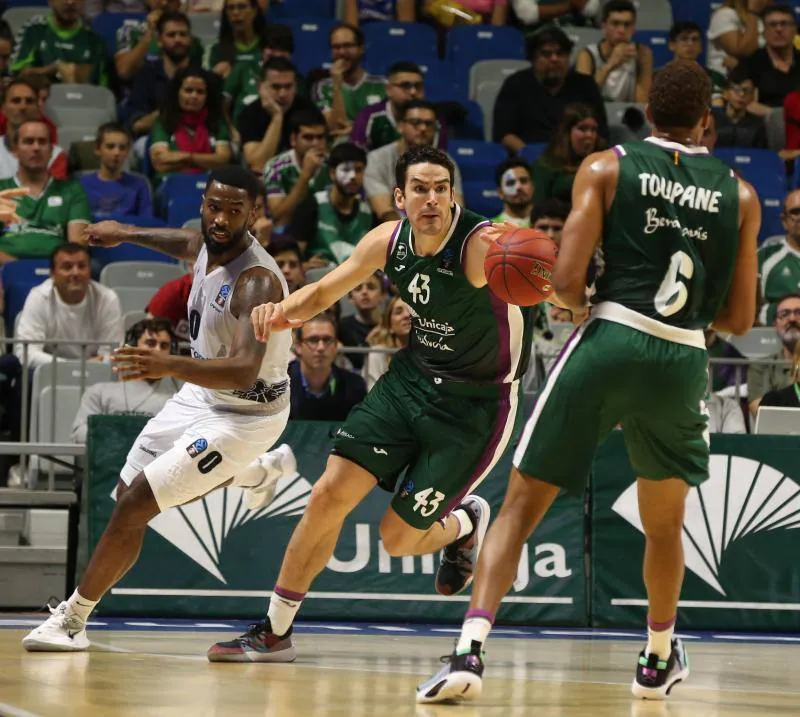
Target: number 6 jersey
(671, 236)
(460, 332)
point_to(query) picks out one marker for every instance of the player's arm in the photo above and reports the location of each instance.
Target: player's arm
(368, 256)
(179, 243)
(592, 192)
(477, 248)
(739, 310)
(238, 370)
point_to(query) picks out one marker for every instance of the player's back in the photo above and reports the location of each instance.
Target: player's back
(671, 235)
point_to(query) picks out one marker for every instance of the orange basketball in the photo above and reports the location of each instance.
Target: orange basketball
(519, 266)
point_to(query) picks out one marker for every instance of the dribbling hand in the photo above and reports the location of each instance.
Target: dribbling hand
(269, 317)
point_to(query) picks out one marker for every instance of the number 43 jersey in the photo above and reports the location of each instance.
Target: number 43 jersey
(460, 332)
(671, 235)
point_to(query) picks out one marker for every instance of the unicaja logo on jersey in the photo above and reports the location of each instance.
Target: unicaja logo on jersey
(222, 296)
(741, 497)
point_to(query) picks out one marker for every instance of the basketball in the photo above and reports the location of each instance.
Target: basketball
(519, 266)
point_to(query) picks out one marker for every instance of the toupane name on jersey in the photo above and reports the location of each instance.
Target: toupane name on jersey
(683, 195)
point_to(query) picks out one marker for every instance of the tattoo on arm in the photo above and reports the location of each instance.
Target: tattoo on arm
(178, 243)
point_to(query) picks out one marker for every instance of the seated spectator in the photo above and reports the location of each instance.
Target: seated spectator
(113, 191)
(190, 135)
(343, 217)
(151, 83)
(349, 89)
(622, 69)
(20, 105)
(287, 256)
(788, 397)
(762, 378)
(736, 125)
(353, 330)
(575, 139)
(61, 46)
(724, 414)
(775, 68)
(260, 224)
(357, 12)
(170, 303)
(531, 102)
(515, 187)
(723, 374)
(734, 33)
(141, 398)
(242, 85)
(242, 34)
(376, 125)
(549, 216)
(321, 391)
(55, 211)
(265, 124)
(138, 41)
(532, 15)
(418, 125)
(686, 43)
(292, 175)
(779, 261)
(391, 333)
(69, 306)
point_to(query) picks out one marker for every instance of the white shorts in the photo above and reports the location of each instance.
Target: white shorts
(187, 449)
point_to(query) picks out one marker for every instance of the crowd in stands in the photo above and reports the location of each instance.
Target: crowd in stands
(117, 109)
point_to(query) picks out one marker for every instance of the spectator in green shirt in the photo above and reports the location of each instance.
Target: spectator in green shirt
(190, 134)
(54, 211)
(60, 46)
(242, 35)
(515, 187)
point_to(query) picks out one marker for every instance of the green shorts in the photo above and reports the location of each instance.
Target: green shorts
(446, 436)
(608, 375)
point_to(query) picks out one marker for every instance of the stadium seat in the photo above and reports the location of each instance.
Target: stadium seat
(106, 25)
(317, 273)
(581, 37)
(134, 298)
(17, 279)
(476, 160)
(81, 105)
(657, 41)
(472, 125)
(440, 83)
(390, 42)
(759, 342)
(141, 274)
(469, 44)
(311, 40)
(205, 26)
(482, 197)
(67, 136)
(130, 252)
(619, 132)
(531, 152)
(289, 9)
(180, 187)
(129, 318)
(16, 17)
(776, 131)
(492, 71)
(486, 96)
(761, 167)
(654, 15)
(181, 209)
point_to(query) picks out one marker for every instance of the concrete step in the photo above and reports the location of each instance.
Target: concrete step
(30, 575)
(12, 523)
(46, 528)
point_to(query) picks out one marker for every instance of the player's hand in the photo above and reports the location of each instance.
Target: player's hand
(269, 317)
(133, 363)
(312, 161)
(8, 205)
(493, 232)
(106, 234)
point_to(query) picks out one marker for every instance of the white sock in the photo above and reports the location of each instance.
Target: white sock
(80, 606)
(282, 610)
(474, 629)
(660, 642)
(465, 526)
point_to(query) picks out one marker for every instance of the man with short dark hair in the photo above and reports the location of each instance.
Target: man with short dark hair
(69, 306)
(320, 390)
(55, 210)
(265, 123)
(515, 186)
(779, 261)
(549, 216)
(736, 125)
(290, 176)
(685, 42)
(531, 101)
(289, 259)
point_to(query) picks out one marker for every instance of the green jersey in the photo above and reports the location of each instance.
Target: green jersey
(41, 42)
(369, 90)
(779, 275)
(337, 235)
(671, 235)
(283, 170)
(460, 333)
(130, 33)
(44, 218)
(249, 55)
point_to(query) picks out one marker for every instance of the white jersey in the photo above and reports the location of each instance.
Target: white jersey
(212, 327)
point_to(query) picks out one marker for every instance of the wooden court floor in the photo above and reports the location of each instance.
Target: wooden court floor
(165, 673)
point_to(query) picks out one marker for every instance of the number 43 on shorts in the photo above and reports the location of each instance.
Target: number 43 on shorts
(425, 506)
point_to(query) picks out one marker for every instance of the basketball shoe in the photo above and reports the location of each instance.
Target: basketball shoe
(458, 560)
(59, 633)
(460, 680)
(258, 644)
(655, 677)
(276, 464)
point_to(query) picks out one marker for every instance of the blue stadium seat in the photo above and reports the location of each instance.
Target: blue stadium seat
(129, 252)
(657, 41)
(531, 152)
(482, 197)
(180, 187)
(472, 126)
(471, 43)
(311, 41)
(440, 82)
(106, 25)
(18, 278)
(290, 9)
(477, 160)
(182, 208)
(390, 42)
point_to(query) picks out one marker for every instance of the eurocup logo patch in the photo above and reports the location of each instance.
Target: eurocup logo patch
(406, 490)
(197, 447)
(222, 297)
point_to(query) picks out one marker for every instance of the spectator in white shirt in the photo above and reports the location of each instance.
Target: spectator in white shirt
(734, 32)
(69, 306)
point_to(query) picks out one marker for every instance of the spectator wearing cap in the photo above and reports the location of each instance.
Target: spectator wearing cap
(531, 101)
(736, 125)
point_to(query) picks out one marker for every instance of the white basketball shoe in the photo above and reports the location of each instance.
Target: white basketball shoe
(59, 633)
(276, 463)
